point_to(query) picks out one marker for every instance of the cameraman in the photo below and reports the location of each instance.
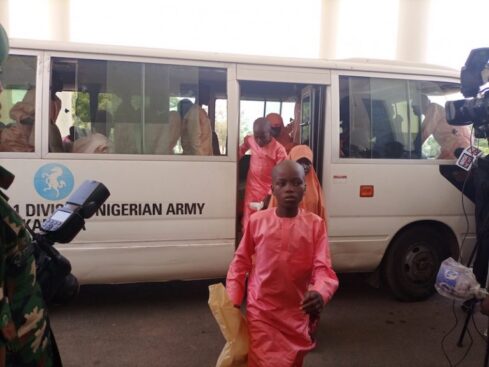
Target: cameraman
(25, 334)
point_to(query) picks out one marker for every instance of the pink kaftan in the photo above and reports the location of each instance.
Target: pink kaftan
(259, 179)
(285, 257)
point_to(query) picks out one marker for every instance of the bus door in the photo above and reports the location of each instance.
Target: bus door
(312, 123)
(289, 92)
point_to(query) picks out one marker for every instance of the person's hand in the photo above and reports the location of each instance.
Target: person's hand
(9, 331)
(312, 303)
(485, 306)
(256, 205)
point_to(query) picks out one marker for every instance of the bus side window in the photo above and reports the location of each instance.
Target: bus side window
(142, 99)
(17, 104)
(127, 125)
(377, 119)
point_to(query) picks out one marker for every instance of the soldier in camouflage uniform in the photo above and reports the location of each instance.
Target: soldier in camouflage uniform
(25, 338)
(25, 335)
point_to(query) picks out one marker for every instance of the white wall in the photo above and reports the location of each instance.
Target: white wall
(430, 31)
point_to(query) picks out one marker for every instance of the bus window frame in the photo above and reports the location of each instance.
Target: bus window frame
(335, 117)
(232, 111)
(284, 74)
(38, 108)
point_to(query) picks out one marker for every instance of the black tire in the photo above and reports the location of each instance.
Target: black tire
(412, 262)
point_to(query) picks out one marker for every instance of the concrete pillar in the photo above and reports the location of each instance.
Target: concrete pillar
(59, 20)
(329, 28)
(412, 36)
(4, 14)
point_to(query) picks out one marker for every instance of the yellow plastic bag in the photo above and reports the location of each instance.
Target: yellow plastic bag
(233, 327)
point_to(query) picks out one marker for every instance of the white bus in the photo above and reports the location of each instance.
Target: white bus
(176, 216)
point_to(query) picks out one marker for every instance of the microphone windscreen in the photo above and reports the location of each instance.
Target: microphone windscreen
(457, 152)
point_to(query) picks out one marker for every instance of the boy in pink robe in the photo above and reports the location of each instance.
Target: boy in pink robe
(266, 152)
(285, 252)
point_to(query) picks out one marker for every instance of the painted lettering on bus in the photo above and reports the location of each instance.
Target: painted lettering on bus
(40, 210)
(34, 224)
(35, 214)
(185, 209)
(130, 209)
(36, 210)
(150, 209)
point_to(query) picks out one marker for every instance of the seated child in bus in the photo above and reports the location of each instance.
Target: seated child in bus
(19, 136)
(286, 254)
(196, 132)
(266, 152)
(23, 113)
(96, 141)
(169, 134)
(313, 199)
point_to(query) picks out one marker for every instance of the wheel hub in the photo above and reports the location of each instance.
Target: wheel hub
(420, 264)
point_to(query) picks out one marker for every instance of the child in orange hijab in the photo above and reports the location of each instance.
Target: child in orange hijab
(279, 132)
(313, 199)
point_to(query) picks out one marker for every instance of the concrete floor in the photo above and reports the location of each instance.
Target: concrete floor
(170, 325)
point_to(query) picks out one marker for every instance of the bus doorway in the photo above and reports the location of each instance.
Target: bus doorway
(301, 109)
(312, 112)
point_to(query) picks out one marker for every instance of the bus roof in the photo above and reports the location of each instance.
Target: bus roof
(353, 64)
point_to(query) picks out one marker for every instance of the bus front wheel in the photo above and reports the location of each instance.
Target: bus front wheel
(412, 263)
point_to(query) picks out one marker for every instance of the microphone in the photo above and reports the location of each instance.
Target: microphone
(458, 282)
(457, 152)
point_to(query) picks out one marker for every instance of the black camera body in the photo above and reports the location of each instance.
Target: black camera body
(66, 222)
(53, 272)
(474, 109)
(54, 276)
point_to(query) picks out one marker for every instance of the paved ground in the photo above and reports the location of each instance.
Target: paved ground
(170, 325)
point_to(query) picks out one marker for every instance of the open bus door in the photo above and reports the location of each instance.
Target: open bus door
(311, 123)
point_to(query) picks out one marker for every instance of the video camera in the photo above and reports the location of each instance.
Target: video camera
(474, 109)
(53, 269)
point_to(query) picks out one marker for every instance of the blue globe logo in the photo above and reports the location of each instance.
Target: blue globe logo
(53, 181)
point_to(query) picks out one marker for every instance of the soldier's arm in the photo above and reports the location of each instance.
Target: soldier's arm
(7, 326)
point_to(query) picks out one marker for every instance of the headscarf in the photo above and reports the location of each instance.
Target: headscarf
(301, 151)
(284, 138)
